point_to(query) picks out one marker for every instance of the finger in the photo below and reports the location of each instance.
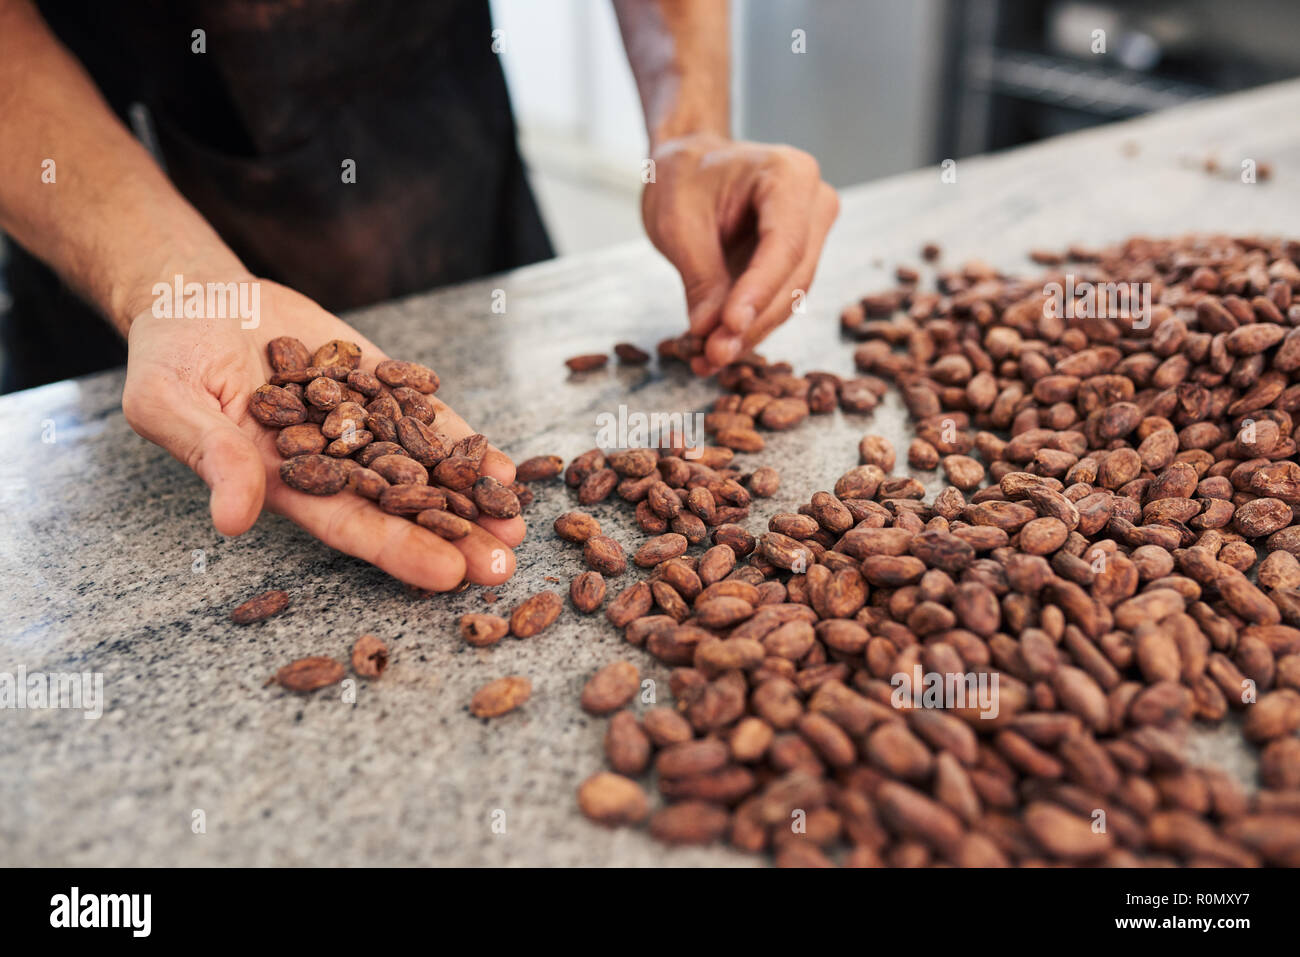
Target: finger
(231, 466)
(705, 279)
(783, 203)
(498, 465)
(495, 462)
(779, 311)
(194, 429)
(352, 524)
(446, 421)
(702, 366)
(694, 247)
(726, 346)
(488, 560)
(509, 530)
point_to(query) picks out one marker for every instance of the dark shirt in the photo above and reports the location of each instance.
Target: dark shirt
(255, 133)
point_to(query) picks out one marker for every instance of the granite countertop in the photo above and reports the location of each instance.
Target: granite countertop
(101, 532)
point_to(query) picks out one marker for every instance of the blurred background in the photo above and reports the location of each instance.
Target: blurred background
(884, 85)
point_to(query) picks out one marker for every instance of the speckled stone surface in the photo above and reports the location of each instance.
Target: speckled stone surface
(100, 529)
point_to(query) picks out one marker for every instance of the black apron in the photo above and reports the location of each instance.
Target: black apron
(255, 133)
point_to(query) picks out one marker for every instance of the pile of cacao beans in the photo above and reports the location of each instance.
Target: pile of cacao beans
(1116, 546)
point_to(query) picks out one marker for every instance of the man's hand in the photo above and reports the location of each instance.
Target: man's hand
(744, 224)
(187, 388)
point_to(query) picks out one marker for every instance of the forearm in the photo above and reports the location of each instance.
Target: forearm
(110, 223)
(680, 55)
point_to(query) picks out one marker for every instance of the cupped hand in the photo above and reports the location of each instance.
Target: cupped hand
(744, 224)
(188, 385)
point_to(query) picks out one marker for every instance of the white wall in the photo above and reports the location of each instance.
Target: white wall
(579, 117)
(569, 76)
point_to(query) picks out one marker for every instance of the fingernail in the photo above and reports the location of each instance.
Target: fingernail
(745, 314)
(730, 348)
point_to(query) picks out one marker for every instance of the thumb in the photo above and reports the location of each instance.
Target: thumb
(697, 254)
(202, 437)
(228, 461)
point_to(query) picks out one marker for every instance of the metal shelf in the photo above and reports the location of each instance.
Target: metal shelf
(1105, 92)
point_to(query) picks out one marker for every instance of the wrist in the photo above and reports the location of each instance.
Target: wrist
(163, 284)
(692, 105)
(689, 127)
(697, 143)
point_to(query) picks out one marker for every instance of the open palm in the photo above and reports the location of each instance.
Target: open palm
(188, 385)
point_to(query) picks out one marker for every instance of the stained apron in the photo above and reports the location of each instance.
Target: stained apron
(257, 131)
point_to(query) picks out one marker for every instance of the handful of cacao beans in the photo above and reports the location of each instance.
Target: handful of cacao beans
(375, 435)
